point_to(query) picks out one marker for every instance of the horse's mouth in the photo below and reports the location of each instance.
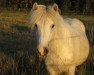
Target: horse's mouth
(42, 55)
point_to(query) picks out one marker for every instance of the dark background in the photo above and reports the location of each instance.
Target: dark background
(77, 6)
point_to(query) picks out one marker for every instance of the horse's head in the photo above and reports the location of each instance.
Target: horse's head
(42, 22)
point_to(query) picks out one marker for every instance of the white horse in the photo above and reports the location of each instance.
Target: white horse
(65, 39)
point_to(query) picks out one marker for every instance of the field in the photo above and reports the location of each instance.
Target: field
(17, 54)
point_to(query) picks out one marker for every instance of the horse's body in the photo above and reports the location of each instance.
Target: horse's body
(68, 51)
(66, 40)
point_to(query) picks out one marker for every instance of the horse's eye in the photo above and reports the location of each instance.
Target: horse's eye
(35, 26)
(53, 26)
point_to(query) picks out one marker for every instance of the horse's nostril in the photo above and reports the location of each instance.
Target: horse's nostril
(46, 50)
(44, 53)
(38, 51)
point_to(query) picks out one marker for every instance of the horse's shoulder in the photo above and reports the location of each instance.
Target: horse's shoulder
(75, 23)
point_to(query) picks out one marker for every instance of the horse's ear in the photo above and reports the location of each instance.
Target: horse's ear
(35, 6)
(55, 7)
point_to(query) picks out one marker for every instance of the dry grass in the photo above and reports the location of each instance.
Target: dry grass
(82, 17)
(17, 54)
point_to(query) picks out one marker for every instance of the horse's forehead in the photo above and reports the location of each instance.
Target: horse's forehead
(46, 21)
(49, 21)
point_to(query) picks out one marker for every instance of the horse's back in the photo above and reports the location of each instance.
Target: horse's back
(75, 24)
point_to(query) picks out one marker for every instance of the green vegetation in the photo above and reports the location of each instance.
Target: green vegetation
(81, 6)
(17, 54)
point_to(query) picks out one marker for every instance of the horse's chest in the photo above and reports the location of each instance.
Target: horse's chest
(59, 53)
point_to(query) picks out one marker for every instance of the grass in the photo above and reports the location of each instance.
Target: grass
(17, 54)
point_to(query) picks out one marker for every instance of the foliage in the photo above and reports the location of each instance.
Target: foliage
(78, 6)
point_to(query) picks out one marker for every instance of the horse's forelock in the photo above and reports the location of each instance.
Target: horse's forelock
(42, 13)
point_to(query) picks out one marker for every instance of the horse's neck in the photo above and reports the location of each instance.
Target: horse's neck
(62, 31)
(66, 31)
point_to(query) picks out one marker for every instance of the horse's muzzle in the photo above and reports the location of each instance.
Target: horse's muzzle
(42, 51)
